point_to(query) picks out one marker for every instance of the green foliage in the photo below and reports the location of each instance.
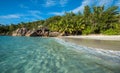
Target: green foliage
(87, 31)
(115, 30)
(111, 32)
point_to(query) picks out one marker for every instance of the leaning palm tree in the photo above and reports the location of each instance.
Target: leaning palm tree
(103, 18)
(110, 16)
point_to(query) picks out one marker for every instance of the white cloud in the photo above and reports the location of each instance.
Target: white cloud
(23, 6)
(63, 2)
(32, 13)
(118, 3)
(35, 13)
(11, 16)
(92, 3)
(107, 3)
(49, 3)
(57, 13)
(81, 7)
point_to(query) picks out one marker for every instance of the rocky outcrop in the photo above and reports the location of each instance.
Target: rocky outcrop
(38, 32)
(20, 32)
(26, 32)
(30, 33)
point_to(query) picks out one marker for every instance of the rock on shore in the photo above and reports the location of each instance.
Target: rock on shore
(38, 32)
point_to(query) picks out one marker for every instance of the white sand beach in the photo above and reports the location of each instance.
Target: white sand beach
(96, 41)
(98, 37)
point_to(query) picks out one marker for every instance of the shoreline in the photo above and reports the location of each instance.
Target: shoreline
(95, 41)
(97, 37)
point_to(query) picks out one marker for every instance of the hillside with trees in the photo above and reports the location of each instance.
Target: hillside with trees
(96, 20)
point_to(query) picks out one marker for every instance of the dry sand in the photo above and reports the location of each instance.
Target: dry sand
(98, 37)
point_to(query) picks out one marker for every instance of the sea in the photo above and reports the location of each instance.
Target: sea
(54, 55)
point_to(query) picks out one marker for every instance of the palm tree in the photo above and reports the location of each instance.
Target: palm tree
(87, 13)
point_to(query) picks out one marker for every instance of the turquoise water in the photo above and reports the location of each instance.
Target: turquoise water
(53, 55)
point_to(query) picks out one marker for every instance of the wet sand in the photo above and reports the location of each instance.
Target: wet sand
(106, 43)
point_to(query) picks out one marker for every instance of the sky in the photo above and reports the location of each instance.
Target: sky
(16, 11)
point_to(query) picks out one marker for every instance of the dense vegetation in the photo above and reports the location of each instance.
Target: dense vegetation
(96, 20)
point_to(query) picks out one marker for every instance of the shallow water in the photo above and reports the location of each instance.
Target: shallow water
(53, 55)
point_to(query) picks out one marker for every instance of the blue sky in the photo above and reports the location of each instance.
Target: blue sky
(16, 11)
